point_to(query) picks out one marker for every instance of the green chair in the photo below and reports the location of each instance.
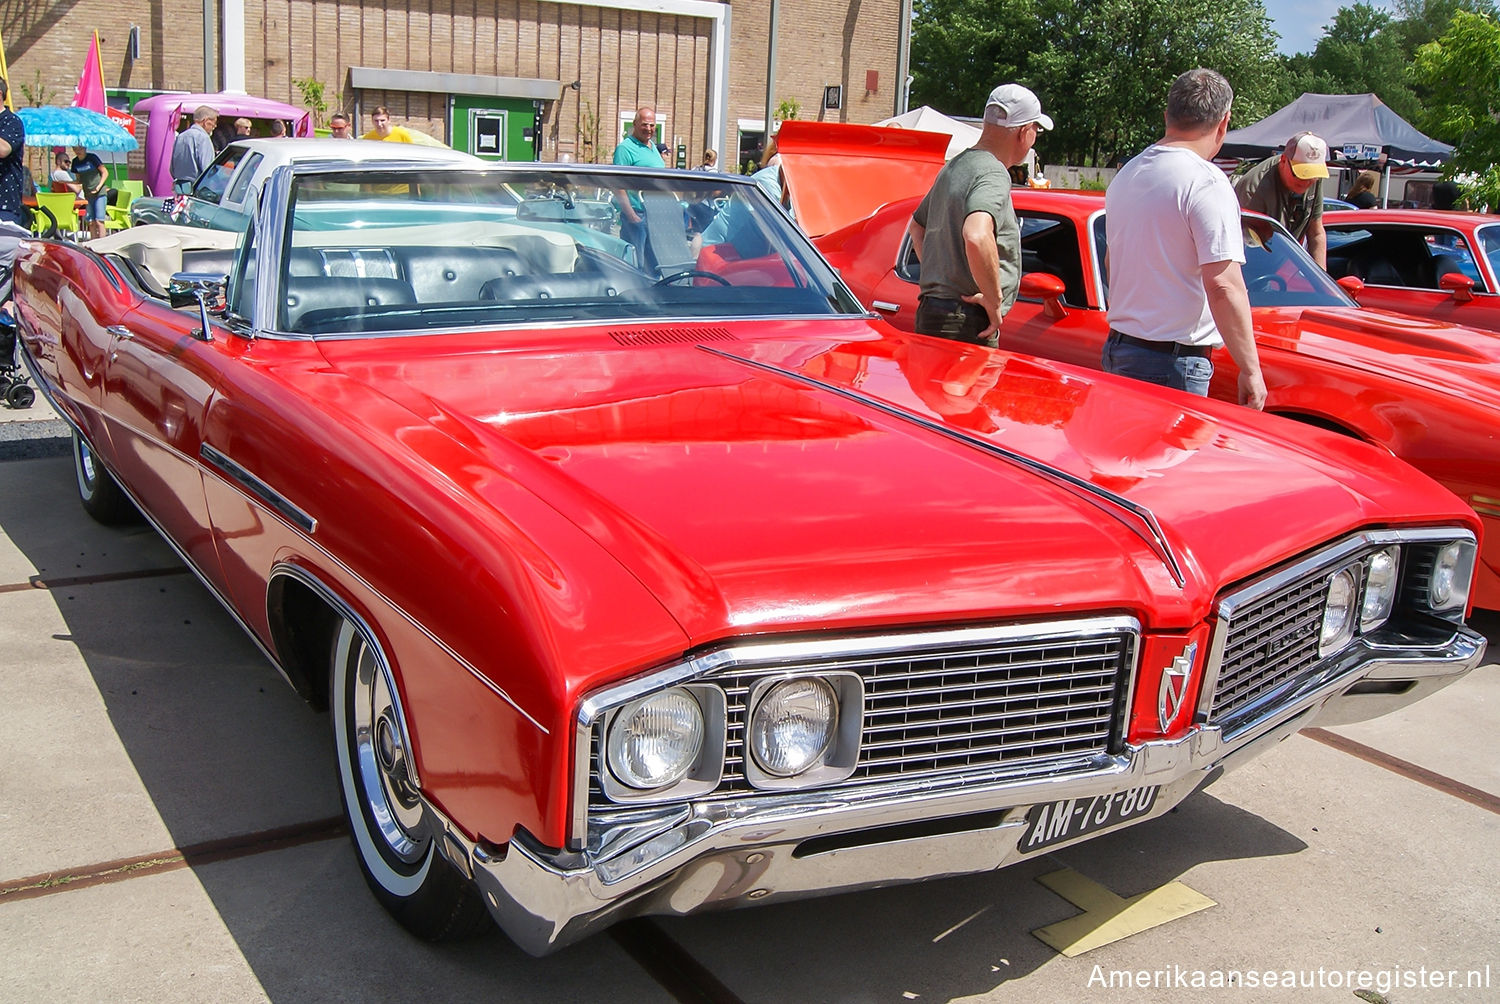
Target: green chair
(119, 213)
(135, 186)
(58, 207)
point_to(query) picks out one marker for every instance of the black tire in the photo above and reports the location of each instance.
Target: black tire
(398, 859)
(100, 493)
(20, 396)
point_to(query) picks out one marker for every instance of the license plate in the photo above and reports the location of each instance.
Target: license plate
(1054, 822)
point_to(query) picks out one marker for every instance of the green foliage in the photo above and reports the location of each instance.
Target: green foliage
(1101, 67)
(787, 108)
(312, 98)
(1461, 74)
(588, 132)
(36, 93)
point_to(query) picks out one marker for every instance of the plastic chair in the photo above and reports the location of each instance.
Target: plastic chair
(118, 217)
(56, 207)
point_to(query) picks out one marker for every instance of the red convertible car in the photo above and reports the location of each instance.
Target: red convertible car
(1426, 262)
(656, 575)
(1425, 390)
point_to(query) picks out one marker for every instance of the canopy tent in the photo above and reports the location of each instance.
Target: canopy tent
(163, 113)
(960, 135)
(1360, 121)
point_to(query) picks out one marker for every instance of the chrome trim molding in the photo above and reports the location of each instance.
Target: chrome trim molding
(1327, 557)
(1141, 520)
(678, 858)
(798, 653)
(270, 496)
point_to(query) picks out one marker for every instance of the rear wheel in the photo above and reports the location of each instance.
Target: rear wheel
(101, 495)
(399, 859)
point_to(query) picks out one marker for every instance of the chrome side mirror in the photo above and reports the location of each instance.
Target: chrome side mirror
(198, 287)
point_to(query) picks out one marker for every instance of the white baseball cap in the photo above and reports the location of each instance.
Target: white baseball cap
(1309, 158)
(1012, 105)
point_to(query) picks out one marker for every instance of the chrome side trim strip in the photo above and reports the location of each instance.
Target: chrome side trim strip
(258, 488)
(1137, 517)
(802, 652)
(401, 611)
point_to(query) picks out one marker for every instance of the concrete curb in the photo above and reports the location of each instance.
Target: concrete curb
(30, 440)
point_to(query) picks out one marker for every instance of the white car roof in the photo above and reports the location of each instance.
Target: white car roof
(287, 151)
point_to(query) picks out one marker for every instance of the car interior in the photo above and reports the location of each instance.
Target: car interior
(1399, 256)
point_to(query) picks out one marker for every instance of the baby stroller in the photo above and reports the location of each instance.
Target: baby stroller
(14, 390)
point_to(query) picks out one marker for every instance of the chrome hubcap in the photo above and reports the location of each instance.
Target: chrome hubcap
(380, 758)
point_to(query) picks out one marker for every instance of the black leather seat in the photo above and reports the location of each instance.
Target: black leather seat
(313, 301)
(546, 286)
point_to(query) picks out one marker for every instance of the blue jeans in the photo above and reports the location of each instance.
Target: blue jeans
(1169, 369)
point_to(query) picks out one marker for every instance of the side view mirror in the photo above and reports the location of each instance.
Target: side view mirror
(198, 287)
(1460, 285)
(1353, 285)
(1047, 288)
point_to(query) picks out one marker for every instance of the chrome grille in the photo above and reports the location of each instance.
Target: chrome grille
(1001, 703)
(1271, 642)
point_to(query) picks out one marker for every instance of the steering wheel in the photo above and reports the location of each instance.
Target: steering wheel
(1269, 284)
(691, 273)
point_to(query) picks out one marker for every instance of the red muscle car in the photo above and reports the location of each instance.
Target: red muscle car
(1425, 262)
(650, 575)
(1427, 391)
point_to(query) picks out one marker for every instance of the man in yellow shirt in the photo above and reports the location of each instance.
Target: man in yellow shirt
(381, 117)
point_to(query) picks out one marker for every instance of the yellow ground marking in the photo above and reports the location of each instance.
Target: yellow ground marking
(1108, 918)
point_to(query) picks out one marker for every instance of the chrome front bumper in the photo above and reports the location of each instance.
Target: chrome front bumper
(719, 854)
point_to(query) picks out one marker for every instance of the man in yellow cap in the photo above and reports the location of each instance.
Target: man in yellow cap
(1288, 187)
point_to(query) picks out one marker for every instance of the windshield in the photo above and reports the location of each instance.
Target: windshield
(388, 251)
(1489, 243)
(1278, 272)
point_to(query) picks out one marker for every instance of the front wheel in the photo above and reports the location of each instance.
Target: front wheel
(398, 857)
(100, 493)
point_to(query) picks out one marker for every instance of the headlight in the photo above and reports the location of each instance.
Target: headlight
(1338, 613)
(792, 726)
(1452, 572)
(653, 741)
(1380, 588)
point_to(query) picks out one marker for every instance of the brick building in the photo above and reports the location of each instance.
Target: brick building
(517, 79)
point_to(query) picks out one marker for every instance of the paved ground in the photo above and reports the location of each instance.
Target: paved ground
(182, 800)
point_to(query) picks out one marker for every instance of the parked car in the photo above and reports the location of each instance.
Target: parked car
(225, 194)
(1427, 391)
(666, 577)
(1332, 205)
(1424, 262)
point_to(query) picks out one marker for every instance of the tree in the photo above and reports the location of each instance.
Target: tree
(1461, 74)
(1362, 52)
(1101, 67)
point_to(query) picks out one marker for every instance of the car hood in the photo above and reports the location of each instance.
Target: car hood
(1443, 356)
(839, 173)
(845, 475)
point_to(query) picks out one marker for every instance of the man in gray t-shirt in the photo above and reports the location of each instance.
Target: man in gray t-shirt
(965, 232)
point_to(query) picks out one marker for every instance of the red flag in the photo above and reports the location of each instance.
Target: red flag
(90, 92)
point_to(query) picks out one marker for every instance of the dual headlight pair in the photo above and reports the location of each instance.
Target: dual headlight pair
(1362, 594)
(799, 731)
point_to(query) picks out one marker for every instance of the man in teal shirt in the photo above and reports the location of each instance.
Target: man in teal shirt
(637, 150)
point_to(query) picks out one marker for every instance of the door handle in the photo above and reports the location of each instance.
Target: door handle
(889, 308)
(120, 331)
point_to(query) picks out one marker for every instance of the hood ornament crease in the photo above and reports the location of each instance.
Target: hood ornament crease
(1141, 520)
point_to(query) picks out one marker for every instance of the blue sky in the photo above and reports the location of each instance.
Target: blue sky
(1301, 22)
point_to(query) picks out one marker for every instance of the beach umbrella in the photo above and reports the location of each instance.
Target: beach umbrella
(51, 126)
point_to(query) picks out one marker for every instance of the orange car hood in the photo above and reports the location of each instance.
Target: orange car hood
(842, 173)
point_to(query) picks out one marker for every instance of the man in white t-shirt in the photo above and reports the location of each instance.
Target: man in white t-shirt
(1176, 291)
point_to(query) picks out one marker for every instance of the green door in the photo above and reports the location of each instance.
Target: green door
(493, 128)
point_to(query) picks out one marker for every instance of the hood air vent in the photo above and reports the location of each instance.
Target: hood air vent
(666, 336)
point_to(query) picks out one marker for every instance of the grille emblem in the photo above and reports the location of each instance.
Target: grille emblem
(1174, 686)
